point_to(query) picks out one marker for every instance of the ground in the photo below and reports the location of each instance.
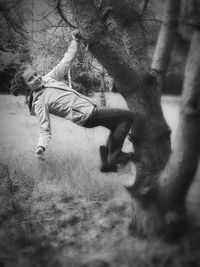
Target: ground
(62, 211)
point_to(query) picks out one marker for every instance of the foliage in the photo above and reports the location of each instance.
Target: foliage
(43, 45)
(47, 52)
(39, 36)
(14, 48)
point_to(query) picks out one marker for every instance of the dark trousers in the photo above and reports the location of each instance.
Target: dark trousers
(118, 121)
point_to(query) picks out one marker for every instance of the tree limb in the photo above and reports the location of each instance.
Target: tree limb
(151, 19)
(57, 26)
(144, 7)
(62, 15)
(179, 173)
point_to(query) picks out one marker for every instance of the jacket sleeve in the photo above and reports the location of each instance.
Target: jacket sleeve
(60, 70)
(42, 113)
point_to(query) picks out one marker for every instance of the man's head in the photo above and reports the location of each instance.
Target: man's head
(26, 80)
(32, 79)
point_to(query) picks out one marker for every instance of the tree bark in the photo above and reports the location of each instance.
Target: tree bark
(151, 135)
(180, 170)
(165, 41)
(159, 66)
(164, 203)
(166, 37)
(161, 185)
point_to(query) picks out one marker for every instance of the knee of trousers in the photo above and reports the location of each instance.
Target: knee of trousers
(129, 116)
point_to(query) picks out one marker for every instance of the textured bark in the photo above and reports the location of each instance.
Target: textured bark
(180, 170)
(166, 37)
(163, 204)
(165, 41)
(158, 70)
(151, 136)
(156, 193)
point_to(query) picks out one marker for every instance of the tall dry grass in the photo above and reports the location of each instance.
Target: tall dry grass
(71, 161)
(62, 209)
(35, 193)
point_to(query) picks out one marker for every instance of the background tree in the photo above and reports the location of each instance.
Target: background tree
(36, 32)
(13, 41)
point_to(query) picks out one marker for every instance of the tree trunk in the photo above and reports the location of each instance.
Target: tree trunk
(180, 170)
(158, 195)
(166, 37)
(165, 41)
(164, 202)
(151, 135)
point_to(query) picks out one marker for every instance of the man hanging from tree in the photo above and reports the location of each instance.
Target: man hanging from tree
(48, 94)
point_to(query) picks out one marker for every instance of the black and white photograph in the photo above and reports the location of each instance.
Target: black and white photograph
(99, 133)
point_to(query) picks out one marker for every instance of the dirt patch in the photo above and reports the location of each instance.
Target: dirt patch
(40, 230)
(68, 230)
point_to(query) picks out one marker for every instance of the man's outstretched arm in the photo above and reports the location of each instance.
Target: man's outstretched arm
(60, 70)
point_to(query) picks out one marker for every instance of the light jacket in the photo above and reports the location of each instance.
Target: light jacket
(59, 99)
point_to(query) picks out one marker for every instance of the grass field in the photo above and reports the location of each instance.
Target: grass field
(62, 211)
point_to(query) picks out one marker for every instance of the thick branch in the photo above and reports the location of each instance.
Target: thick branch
(109, 51)
(57, 26)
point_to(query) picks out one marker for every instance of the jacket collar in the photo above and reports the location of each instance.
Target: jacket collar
(38, 93)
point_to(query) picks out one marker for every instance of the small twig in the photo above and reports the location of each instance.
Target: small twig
(151, 19)
(10, 183)
(96, 68)
(101, 5)
(57, 26)
(6, 207)
(46, 15)
(49, 28)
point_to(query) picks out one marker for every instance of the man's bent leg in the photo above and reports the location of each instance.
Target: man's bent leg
(119, 122)
(116, 141)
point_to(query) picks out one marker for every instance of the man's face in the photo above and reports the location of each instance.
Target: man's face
(32, 79)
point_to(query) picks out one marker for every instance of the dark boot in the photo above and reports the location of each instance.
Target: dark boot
(125, 157)
(105, 167)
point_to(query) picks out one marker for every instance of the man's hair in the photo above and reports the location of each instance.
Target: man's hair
(18, 86)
